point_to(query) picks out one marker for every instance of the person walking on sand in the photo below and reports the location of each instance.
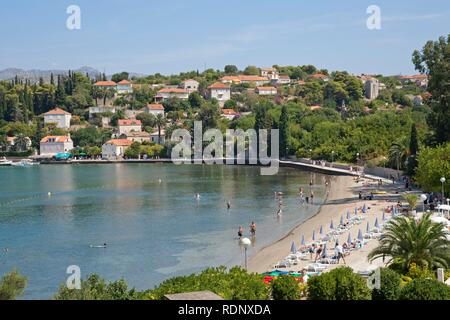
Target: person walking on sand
(312, 250)
(240, 232)
(318, 253)
(253, 228)
(339, 253)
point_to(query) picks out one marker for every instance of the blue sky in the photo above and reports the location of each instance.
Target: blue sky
(149, 36)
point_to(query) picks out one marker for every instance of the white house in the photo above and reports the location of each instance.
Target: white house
(51, 145)
(266, 91)
(155, 109)
(282, 79)
(154, 137)
(127, 126)
(270, 73)
(59, 117)
(257, 80)
(101, 109)
(220, 91)
(229, 114)
(189, 85)
(106, 85)
(124, 87)
(115, 148)
(167, 93)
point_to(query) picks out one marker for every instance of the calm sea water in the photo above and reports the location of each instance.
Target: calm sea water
(153, 230)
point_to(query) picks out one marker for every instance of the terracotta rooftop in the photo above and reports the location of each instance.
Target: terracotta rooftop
(105, 84)
(172, 90)
(229, 112)
(120, 142)
(57, 111)
(59, 139)
(219, 85)
(124, 82)
(155, 106)
(123, 122)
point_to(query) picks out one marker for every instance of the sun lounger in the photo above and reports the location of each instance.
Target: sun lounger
(316, 267)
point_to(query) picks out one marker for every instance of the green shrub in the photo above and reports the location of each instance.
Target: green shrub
(18, 154)
(12, 285)
(390, 286)
(285, 288)
(235, 284)
(425, 289)
(338, 284)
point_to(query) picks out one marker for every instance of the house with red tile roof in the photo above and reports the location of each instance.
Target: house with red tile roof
(219, 91)
(229, 114)
(319, 76)
(189, 85)
(266, 91)
(124, 87)
(51, 145)
(167, 93)
(115, 149)
(127, 126)
(106, 85)
(257, 80)
(155, 109)
(58, 117)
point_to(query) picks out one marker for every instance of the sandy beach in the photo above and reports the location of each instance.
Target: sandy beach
(343, 196)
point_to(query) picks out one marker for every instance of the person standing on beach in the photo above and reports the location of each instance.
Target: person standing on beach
(318, 253)
(312, 197)
(339, 253)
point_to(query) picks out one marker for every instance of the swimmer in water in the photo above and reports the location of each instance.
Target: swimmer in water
(240, 232)
(253, 228)
(228, 205)
(160, 181)
(279, 212)
(197, 196)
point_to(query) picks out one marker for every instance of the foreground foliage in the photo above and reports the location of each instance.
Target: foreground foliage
(12, 285)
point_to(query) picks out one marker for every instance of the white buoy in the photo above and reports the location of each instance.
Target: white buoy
(49, 194)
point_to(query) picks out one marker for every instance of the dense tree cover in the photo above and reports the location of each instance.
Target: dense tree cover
(406, 241)
(285, 288)
(433, 164)
(425, 289)
(434, 60)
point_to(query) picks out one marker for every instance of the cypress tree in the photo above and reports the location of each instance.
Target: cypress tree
(283, 127)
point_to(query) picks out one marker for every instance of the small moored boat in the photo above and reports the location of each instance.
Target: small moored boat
(25, 163)
(5, 162)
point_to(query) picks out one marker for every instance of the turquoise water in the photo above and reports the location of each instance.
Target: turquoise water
(153, 230)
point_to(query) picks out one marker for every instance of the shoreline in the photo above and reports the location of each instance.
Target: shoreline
(343, 196)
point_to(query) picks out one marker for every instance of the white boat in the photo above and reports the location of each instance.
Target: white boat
(25, 163)
(4, 162)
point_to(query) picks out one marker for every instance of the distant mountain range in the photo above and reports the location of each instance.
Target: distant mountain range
(34, 75)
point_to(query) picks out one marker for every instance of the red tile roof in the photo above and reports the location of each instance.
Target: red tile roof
(57, 111)
(266, 88)
(172, 90)
(155, 106)
(229, 112)
(318, 76)
(123, 122)
(124, 82)
(59, 139)
(120, 142)
(219, 85)
(105, 84)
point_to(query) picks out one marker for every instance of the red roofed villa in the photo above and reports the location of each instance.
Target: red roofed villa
(59, 117)
(115, 149)
(126, 126)
(51, 145)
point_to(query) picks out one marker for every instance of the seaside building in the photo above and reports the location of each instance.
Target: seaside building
(11, 144)
(229, 114)
(282, 79)
(257, 80)
(167, 93)
(127, 126)
(420, 80)
(319, 76)
(139, 136)
(124, 87)
(58, 117)
(219, 91)
(154, 137)
(115, 149)
(266, 91)
(190, 85)
(101, 109)
(155, 109)
(51, 145)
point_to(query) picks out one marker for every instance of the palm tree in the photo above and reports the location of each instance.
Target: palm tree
(398, 154)
(21, 143)
(409, 241)
(160, 122)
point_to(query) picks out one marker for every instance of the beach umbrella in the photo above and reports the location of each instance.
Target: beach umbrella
(342, 220)
(384, 216)
(356, 211)
(293, 247)
(324, 252)
(360, 235)
(348, 215)
(377, 225)
(303, 240)
(368, 227)
(331, 225)
(314, 235)
(321, 230)
(349, 239)
(364, 209)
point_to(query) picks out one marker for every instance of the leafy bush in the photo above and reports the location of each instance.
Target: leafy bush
(235, 284)
(416, 272)
(12, 285)
(338, 284)
(285, 288)
(425, 289)
(96, 288)
(390, 286)
(18, 154)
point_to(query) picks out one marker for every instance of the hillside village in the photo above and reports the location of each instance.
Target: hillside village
(75, 116)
